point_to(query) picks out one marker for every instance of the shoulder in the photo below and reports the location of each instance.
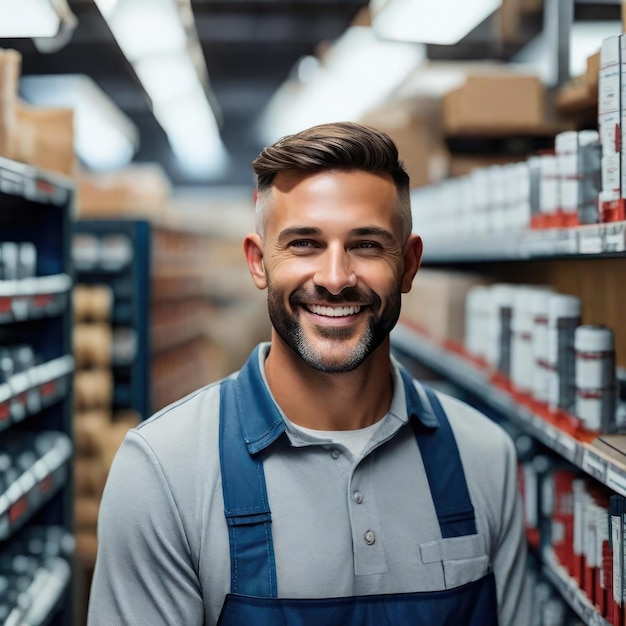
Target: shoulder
(473, 429)
(182, 433)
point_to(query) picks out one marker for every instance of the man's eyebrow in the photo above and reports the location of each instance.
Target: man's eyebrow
(373, 231)
(298, 231)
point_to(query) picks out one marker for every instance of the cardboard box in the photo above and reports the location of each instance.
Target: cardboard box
(415, 127)
(10, 66)
(44, 138)
(141, 190)
(436, 303)
(496, 104)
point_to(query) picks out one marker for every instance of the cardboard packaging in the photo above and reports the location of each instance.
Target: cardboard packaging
(415, 127)
(436, 303)
(496, 104)
(10, 66)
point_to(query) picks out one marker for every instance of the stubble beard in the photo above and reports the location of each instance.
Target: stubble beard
(288, 327)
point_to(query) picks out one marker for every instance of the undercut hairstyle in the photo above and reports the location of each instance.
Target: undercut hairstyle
(343, 146)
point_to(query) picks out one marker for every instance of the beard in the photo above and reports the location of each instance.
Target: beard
(348, 355)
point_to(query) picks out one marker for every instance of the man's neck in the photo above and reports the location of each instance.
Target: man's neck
(330, 401)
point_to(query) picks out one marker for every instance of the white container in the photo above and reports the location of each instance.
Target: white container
(596, 381)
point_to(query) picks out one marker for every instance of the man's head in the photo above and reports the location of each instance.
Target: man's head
(333, 245)
(340, 146)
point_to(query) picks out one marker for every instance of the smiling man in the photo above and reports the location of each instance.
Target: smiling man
(320, 484)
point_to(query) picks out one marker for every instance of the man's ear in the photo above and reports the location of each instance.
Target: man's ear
(253, 249)
(412, 260)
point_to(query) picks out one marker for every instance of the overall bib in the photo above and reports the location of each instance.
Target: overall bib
(254, 597)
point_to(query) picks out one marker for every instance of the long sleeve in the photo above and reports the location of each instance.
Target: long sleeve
(144, 571)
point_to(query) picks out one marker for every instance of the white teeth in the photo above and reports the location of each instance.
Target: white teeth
(329, 311)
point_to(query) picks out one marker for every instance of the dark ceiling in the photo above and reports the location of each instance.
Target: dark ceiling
(250, 47)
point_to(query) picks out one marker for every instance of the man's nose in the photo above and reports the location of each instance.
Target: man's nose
(335, 271)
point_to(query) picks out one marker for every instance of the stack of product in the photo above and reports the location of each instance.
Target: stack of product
(579, 525)
(38, 136)
(533, 337)
(545, 191)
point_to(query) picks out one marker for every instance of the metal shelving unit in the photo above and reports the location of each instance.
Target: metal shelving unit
(36, 365)
(117, 253)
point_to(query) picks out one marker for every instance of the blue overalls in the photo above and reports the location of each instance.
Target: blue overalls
(249, 422)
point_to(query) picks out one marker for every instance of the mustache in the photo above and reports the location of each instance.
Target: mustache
(348, 295)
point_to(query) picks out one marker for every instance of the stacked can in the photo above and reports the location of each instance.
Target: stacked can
(596, 381)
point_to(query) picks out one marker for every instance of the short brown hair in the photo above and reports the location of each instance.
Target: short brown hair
(336, 146)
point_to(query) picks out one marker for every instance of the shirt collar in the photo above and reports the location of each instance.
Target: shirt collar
(262, 420)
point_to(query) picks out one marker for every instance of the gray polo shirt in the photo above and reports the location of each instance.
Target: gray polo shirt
(163, 543)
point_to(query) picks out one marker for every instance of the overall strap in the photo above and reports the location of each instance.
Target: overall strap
(442, 463)
(252, 563)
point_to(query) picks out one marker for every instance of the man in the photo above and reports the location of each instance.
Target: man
(320, 484)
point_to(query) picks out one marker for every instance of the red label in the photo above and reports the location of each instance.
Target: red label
(42, 300)
(5, 305)
(5, 411)
(18, 509)
(46, 485)
(49, 388)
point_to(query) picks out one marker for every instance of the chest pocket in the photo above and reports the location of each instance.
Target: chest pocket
(463, 559)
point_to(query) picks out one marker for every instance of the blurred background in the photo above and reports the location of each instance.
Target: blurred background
(127, 130)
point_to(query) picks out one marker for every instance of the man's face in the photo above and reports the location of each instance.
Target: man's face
(334, 265)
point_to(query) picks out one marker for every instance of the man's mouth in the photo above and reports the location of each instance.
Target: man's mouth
(333, 311)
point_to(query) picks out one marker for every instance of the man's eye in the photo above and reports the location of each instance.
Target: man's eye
(367, 245)
(301, 243)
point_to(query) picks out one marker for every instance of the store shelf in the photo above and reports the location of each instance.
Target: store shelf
(48, 455)
(117, 253)
(596, 240)
(29, 392)
(570, 590)
(36, 483)
(30, 183)
(33, 298)
(39, 559)
(589, 457)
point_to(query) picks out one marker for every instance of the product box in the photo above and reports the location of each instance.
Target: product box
(415, 127)
(496, 104)
(609, 125)
(10, 66)
(45, 138)
(436, 303)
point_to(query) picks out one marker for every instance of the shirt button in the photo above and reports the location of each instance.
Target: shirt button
(335, 454)
(358, 497)
(370, 537)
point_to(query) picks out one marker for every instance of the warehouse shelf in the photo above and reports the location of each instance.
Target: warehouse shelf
(595, 240)
(39, 558)
(33, 298)
(32, 486)
(117, 253)
(27, 393)
(31, 183)
(569, 589)
(591, 457)
(35, 317)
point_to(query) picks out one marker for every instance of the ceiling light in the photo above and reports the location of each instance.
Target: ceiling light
(28, 18)
(104, 138)
(106, 7)
(193, 134)
(358, 73)
(167, 76)
(144, 27)
(425, 21)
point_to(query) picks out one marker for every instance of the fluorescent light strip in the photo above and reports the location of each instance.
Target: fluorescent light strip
(424, 21)
(28, 18)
